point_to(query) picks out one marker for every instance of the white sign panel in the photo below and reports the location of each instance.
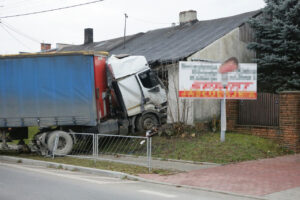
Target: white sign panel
(203, 80)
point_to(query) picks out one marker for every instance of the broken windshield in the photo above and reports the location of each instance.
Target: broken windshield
(148, 79)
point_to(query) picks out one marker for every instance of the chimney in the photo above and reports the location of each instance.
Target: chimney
(45, 47)
(187, 16)
(88, 36)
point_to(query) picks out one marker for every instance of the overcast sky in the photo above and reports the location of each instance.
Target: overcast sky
(23, 34)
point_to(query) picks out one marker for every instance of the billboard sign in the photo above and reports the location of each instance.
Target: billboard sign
(206, 80)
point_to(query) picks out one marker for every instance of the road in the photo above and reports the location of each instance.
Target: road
(19, 181)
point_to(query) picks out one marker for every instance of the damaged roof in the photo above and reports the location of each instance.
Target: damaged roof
(172, 43)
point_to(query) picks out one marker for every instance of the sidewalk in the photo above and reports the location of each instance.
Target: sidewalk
(275, 178)
(259, 178)
(175, 165)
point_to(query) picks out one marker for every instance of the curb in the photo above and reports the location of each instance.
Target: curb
(88, 170)
(114, 174)
(175, 160)
(188, 161)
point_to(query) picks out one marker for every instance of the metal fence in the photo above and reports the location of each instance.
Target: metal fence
(263, 112)
(114, 148)
(125, 149)
(84, 145)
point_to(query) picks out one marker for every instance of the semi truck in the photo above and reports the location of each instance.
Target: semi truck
(82, 92)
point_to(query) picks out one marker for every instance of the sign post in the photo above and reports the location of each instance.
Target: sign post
(223, 117)
(206, 80)
(229, 65)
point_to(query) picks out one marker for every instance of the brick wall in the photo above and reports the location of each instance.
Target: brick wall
(288, 131)
(289, 119)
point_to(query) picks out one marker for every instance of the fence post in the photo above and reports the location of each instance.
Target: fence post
(97, 145)
(94, 146)
(148, 141)
(150, 154)
(55, 145)
(149, 144)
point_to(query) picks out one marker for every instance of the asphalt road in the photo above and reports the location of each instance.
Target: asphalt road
(18, 181)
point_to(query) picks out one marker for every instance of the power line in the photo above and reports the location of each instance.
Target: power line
(22, 4)
(14, 37)
(20, 33)
(50, 10)
(26, 5)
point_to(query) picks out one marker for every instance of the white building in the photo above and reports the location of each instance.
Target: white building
(214, 40)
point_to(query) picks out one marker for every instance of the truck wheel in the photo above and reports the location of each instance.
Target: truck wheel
(65, 143)
(146, 122)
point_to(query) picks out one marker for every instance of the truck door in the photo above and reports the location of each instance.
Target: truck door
(131, 93)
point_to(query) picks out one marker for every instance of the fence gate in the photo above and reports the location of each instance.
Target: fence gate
(262, 112)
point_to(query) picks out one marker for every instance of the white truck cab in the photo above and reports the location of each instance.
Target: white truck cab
(143, 94)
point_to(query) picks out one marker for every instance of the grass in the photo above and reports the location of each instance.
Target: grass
(202, 147)
(129, 169)
(208, 148)
(31, 132)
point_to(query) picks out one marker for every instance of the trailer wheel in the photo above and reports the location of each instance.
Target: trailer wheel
(65, 143)
(146, 122)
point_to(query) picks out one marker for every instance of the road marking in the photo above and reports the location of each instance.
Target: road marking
(157, 193)
(74, 177)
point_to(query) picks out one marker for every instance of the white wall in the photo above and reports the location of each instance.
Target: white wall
(228, 46)
(204, 110)
(179, 110)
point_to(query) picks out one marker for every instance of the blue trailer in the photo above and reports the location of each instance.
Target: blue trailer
(53, 91)
(47, 91)
(68, 92)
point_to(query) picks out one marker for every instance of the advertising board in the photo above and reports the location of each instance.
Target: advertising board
(204, 80)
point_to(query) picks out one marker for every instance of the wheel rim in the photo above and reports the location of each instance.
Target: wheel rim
(61, 143)
(148, 123)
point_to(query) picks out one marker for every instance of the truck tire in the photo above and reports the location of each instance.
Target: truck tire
(65, 143)
(146, 122)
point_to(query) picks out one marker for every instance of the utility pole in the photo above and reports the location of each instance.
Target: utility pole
(126, 16)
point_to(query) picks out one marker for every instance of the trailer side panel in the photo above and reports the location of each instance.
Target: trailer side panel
(47, 91)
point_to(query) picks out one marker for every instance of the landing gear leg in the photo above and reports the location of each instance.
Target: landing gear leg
(4, 144)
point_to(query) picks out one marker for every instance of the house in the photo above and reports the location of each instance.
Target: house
(213, 40)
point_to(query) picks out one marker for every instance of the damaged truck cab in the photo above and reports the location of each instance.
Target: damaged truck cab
(141, 94)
